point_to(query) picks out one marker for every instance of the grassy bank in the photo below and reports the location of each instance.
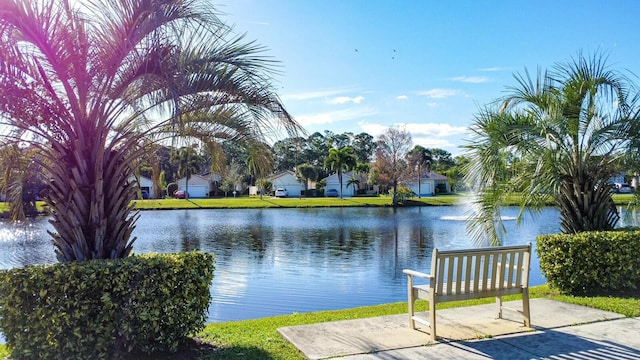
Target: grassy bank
(245, 202)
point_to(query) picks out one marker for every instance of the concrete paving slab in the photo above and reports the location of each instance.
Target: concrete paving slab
(626, 332)
(388, 334)
(548, 344)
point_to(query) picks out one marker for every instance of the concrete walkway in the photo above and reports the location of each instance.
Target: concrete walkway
(560, 331)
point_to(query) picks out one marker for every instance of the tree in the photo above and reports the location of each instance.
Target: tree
(260, 162)
(20, 179)
(364, 146)
(188, 161)
(340, 160)
(306, 172)
(418, 158)
(457, 173)
(441, 160)
(565, 133)
(86, 81)
(354, 182)
(391, 166)
(232, 178)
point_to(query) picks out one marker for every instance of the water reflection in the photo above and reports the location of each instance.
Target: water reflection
(279, 261)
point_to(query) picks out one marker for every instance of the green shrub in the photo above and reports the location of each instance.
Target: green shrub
(103, 309)
(591, 262)
(403, 194)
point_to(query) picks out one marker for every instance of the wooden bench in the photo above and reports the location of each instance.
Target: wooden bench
(472, 274)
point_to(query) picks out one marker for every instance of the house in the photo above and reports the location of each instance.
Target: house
(145, 184)
(198, 186)
(287, 180)
(429, 182)
(332, 182)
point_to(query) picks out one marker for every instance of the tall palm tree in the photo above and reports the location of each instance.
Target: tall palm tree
(419, 157)
(340, 160)
(562, 135)
(86, 81)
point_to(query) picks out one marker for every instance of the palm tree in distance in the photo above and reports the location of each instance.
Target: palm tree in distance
(563, 134)
(354, 183)
(188, 161)
(260, 163)
(340, 160)
(305, 173)
(87, 81)
(419, 158)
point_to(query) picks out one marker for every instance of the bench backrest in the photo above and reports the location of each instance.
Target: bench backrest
(481, 270)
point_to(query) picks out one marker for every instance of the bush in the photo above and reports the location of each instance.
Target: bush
(403, 194)
(103, 309)
(591, 262)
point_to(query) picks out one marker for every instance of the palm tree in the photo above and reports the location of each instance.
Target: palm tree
(562, 135)
(306, 172)
(86, 81)
(20, 179)
(340, 160)
(353, 182)
(188, 164)
(419, 157)
(260, 162)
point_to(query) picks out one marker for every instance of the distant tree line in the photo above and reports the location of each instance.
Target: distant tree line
(309, 157)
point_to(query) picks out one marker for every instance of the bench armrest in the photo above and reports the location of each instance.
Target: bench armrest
(419, 274)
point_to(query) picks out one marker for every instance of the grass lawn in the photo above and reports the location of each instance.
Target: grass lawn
(245, 202)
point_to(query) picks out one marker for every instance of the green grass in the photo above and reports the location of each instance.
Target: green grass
(258, 339)
(271, 202)
(244, 202)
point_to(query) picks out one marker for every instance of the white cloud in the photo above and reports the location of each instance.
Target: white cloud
(346, 99)
(335, 116)
(429, 135)
(494, 68)
(471, 79)
(439, 93)
(434, 129)
(320, 94)
(402, 97)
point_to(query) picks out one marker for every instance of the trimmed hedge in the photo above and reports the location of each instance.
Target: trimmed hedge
(103, 309)
(601, 262)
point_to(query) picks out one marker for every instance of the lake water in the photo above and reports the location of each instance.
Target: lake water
(280, 261)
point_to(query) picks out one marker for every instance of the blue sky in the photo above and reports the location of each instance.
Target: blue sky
(362, 66)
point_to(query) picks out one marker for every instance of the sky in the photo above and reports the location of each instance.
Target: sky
(428, 66)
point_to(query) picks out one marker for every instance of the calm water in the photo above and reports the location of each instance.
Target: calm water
(279, 261)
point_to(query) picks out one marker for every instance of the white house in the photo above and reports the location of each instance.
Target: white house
(428, 183)
(145, 184)
(198, 186)
(287, 180)
(332, 182)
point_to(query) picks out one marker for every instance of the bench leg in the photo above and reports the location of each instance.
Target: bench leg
(432, 318)
(411, 299)
(525, 307)
(499, 303)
